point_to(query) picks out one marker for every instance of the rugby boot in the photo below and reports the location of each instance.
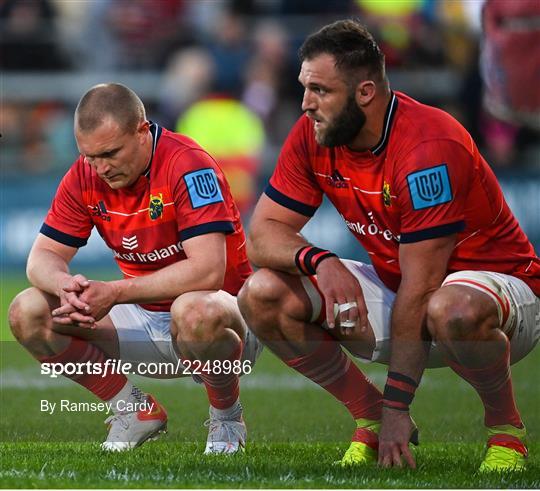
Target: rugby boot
(506, 450)
(364, 446)
(129, 430)
(225, 436)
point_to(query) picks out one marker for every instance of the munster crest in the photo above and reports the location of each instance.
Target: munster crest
(155, 208)
(387, 198)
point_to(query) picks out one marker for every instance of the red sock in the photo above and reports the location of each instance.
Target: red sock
(494, 386)
(81, 351)
(223, 389)
(329, 367)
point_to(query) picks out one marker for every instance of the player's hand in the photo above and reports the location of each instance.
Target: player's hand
(396, 430)
(76, 283)
(340, 288)
(69, 291)
(101, 297)
(72, 309)
(70, 316)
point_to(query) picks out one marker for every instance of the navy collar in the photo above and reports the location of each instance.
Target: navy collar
(155, 131)
(388, 119)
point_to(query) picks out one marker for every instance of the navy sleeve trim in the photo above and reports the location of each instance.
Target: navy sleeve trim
(432, 233)
(290, 203)
(66, 239)
(206, 228)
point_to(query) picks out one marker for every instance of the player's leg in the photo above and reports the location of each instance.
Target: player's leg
(286, 313)
(473, 319)
(31, 323)
(209, 331)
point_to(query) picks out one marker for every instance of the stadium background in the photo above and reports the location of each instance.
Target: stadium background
(224, 72)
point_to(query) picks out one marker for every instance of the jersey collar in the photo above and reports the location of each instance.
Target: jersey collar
(388, 119)
(155, 131)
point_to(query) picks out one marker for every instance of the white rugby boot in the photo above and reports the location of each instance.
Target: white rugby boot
(129, 430)
(226, 434)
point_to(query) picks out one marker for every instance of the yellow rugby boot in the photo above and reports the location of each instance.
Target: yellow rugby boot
(364, 447)
(506, 450)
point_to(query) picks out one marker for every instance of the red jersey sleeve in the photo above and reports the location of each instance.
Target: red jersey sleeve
(432, 185)
(293, 183)
(202, 197)
(68, 220)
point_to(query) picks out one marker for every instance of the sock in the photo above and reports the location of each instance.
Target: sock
(223, 390)
(494, 386)
(81, 351)
(232, 413)
(129, 394)
(329, 367)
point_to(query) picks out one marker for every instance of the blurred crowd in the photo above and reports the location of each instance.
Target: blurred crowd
(228, 70)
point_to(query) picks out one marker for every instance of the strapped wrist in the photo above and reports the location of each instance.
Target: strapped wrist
(309, 257)
(399, 391)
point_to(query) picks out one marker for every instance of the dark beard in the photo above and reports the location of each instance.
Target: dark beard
(345, 126)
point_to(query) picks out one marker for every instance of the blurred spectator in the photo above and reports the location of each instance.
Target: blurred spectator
(12, 137)
(189, 76)
(510, 67)
(407, 36)
(458, 23)
(96, 47)
(460, 28)
(133, 34)
(235, 137)
(147, 30)
(37, 139)
(29, 38)
(204, 16)
(511, 60)
(230, 50)
(271, 85)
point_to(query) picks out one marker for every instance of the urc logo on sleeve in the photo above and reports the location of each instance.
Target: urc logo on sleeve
(430, 187)
(203, 187)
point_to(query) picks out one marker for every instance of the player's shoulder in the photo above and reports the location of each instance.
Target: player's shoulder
(420, 123)
(171, 145)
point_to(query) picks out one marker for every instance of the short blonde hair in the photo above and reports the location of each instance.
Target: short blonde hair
(109, 100)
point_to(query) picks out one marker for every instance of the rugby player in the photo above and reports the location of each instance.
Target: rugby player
(453, 281)
(164, 208)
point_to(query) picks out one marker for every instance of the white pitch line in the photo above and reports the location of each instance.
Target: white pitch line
(31, 378)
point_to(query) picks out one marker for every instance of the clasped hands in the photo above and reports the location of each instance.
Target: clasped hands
(83, 302)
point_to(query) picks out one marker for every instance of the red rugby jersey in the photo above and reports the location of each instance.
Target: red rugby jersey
(182, 194)
(424, 179)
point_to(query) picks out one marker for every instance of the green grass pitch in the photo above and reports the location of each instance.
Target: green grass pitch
(296, 432)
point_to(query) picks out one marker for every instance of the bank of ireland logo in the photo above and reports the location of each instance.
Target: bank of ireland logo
(203, 187)
(430, 187)
(155, 207)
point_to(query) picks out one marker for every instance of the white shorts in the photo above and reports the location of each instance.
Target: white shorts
(518, 307)
(144, 336)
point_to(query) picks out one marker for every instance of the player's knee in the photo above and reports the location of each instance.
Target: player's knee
(28, 315)
(452, 314)
(260, 295)
(198, 318)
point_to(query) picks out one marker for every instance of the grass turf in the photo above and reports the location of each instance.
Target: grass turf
(296, 432)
